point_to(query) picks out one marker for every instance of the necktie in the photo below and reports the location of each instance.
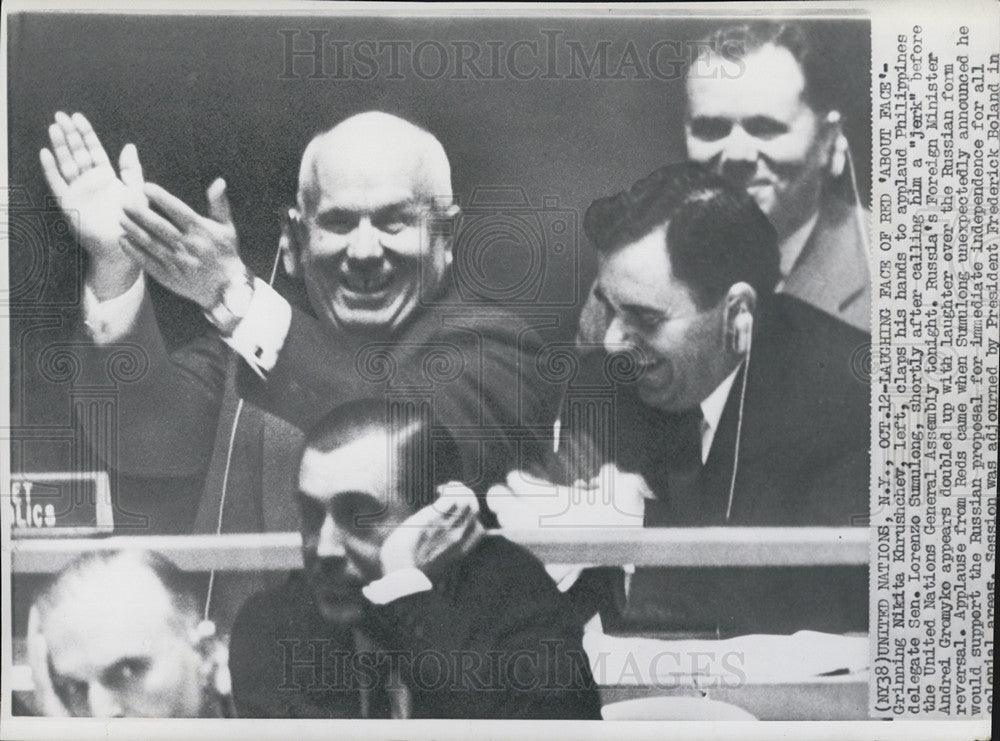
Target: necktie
(682, 467)
(387, 696)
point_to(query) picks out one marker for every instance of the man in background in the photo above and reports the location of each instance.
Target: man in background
(118, 634)
(758, 114)
(404, 608)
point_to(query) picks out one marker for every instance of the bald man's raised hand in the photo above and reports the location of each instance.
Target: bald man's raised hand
(194, 256)
(92, 197)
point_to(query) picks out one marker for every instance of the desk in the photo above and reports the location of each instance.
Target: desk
(836, 697)
(722, 546)
(819, 698)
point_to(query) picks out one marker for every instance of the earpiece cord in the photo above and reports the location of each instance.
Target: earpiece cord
(229, 458)
(222, 499)
(739, 426)
(858, 209)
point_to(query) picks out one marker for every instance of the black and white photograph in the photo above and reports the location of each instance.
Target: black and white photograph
(446, 363)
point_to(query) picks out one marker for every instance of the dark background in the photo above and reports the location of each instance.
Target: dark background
(203, 97)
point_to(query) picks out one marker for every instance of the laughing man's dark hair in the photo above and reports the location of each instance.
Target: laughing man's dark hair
(716, 234)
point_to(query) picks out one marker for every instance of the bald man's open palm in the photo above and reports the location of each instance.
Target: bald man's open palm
(93, 197)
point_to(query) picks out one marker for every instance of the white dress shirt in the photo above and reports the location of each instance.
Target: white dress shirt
(711, 412)
(258, 338)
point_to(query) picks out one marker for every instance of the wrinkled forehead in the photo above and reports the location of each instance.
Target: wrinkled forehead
(766, 82)
(366, 175)
(640, 274)
(364, 465)
(99, 620)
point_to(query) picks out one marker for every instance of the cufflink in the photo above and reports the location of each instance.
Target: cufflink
(233, 303)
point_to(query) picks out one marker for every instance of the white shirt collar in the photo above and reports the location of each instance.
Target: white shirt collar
(711, 411)
(792, 247)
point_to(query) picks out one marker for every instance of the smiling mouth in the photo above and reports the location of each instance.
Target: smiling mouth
(366, 285)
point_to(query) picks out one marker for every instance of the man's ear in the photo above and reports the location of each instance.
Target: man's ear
(834, 144)
(740, 308)
(290, 241)
(443, 227)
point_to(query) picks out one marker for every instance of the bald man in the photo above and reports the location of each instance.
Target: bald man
(118, 634)
(370, 239)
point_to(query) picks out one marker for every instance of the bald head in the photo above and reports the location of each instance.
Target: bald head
(369, 236)
(94, 579)
(119, 638)
(368, 150)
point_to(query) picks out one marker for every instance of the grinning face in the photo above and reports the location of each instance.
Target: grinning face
(366, 248)
(757, 130)
(683, 347)
(118, 648)
(350, 501)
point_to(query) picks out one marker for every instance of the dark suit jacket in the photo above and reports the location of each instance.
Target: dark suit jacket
(470, 368)
(491, 640)
(803, 460)
(832, 272)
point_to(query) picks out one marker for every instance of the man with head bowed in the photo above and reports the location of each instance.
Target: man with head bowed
(119, 634)
(370, 239)
(745, 407)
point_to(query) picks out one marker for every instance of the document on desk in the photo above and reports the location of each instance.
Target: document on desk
(730, 662)
(691, 309)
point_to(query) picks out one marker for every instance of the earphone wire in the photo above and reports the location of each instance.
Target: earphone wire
(229, 457)
(739, 425)
(858, 208)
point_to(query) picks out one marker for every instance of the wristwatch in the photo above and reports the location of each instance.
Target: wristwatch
(233, 303)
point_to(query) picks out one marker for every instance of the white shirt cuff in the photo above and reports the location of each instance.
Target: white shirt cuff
(565, 575)
(109, 321)
(396, 585)
(260, 335)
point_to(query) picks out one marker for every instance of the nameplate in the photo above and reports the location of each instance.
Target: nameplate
(60, 504)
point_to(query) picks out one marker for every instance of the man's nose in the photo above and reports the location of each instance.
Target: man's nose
(103, 703)
(330, 543)
(739, 148)
(364, 245)
(615, 337)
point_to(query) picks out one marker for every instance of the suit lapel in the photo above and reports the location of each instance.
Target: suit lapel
(832, 271)
(208, 509)
(281, 445)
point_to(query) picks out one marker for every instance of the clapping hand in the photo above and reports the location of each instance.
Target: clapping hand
(192, 255)
(93, 198)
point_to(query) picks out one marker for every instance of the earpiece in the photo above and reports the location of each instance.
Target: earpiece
(742, 342)
(742, 330)
(839, 146)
